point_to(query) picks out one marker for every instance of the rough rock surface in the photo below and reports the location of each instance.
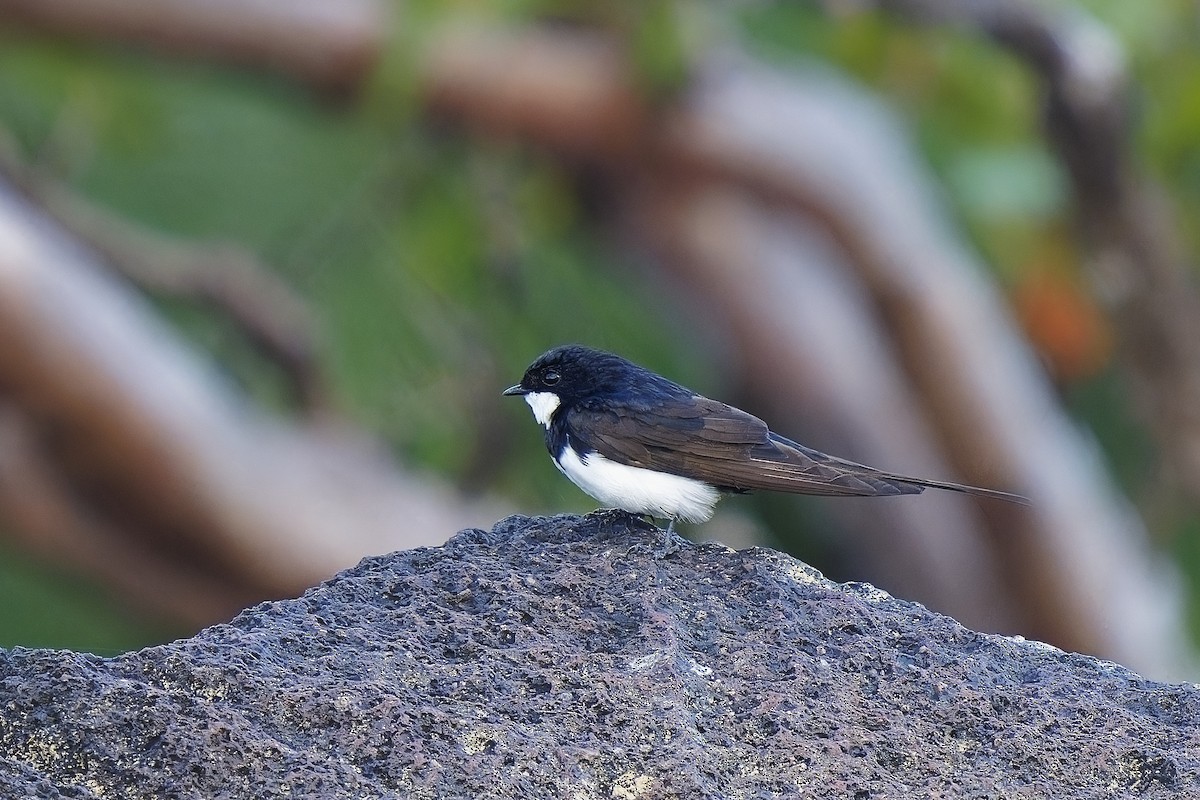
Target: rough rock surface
(553, 657)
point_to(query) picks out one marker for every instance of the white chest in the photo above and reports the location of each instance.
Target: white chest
(638, 490)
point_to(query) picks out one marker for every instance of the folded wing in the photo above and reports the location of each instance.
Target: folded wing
(735, 451)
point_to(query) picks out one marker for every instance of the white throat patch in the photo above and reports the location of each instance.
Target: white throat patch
(543, 405)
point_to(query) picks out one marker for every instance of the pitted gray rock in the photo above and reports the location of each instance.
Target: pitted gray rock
(556, 657)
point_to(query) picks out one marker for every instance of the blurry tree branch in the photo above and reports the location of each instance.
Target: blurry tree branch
(787, 205)
(1136, 262)
(41, 512)
(332, 46)
(116, 434)
(224, 276)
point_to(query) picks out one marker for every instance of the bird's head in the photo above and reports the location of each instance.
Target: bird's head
(573, 374)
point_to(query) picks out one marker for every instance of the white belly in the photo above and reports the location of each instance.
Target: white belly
(638, 490)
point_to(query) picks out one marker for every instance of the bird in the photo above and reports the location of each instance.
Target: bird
(636, 441)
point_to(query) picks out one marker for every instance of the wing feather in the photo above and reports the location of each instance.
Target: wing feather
(724, 446)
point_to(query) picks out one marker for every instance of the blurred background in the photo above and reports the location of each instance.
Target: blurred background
(265, 269)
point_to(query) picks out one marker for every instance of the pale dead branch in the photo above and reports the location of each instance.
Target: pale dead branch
(1135, 261)
(225, 277)
(332, 46)
(166, 452)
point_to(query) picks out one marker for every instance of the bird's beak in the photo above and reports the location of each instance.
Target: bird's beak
(515, 390)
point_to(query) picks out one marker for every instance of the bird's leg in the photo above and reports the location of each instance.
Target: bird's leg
(669, 544)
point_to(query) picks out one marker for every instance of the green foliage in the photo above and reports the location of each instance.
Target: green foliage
(976, 113)
(423, 254)
(1186, 550)
(44, 607)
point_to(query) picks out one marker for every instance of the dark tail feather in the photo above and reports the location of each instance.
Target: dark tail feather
(820, 473)
(978, 491)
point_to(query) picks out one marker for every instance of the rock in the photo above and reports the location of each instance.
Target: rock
(555, 657)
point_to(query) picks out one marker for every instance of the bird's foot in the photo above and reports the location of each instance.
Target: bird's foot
(613, 519)
(610, 518)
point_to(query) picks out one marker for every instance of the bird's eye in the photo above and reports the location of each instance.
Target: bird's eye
(551, 377)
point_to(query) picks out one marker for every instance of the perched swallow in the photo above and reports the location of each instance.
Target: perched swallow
(636, 441)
